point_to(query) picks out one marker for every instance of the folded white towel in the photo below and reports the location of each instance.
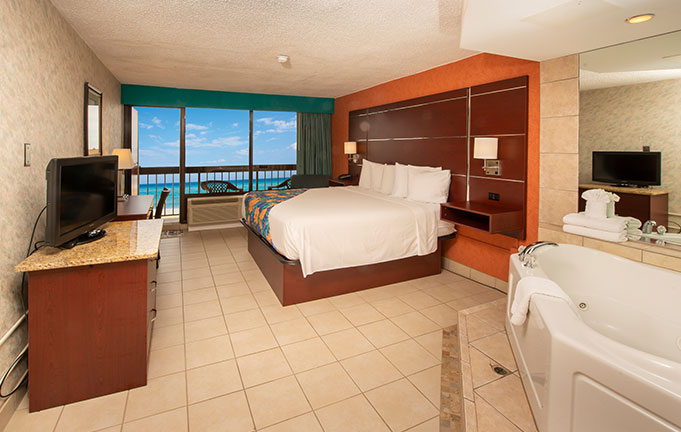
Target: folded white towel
(634, 234)
(598, 234)
(528, 287)
(609, 224)
(632, 223)
(613, 224)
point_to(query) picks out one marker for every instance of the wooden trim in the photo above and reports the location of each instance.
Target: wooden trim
(286, 277)
(250, 150)
(183, 167)
(127, 143)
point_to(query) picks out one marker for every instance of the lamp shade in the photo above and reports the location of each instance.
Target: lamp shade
(485, 148)
(350, 147)
(124, 158)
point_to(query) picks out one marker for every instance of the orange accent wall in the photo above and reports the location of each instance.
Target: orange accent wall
(473, 248)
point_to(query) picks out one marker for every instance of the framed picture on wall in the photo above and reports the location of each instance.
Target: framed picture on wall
(93, 121)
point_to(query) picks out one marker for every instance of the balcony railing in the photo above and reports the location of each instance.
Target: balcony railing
(152, 180)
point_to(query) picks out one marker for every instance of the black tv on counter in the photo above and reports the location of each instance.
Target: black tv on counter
(81, 197)
(622, 168)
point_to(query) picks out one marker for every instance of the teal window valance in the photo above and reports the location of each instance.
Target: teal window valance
(139, 95)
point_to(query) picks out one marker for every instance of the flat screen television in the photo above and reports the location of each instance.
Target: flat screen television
(627, 168)
(81, 197)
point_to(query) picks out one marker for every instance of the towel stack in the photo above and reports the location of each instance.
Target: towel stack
(599, 219)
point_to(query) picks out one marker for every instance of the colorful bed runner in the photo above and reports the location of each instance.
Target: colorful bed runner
(258, 205)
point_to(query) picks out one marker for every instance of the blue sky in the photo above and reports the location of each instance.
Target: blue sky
(215, 137)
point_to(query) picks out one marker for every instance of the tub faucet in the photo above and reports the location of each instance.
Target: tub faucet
(648, 226)
(525, 252)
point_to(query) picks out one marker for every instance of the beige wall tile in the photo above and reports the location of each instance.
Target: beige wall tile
(660, 260)
(558, 236)
(559, 171)
(560, 98)
(559, 68)
(554, 204)
(613, 248)
(559, 135)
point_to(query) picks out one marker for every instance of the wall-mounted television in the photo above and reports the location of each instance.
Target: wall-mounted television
(81, 197)
(627, 168)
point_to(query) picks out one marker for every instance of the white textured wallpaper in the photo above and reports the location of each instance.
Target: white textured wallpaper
(629, 117)
(44, 65)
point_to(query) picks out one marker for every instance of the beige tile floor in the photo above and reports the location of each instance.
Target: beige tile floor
(226, 356)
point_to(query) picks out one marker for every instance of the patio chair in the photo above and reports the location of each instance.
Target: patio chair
(219, 186)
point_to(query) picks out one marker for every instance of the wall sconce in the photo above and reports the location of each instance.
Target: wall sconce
(350, 149)
(486, 148)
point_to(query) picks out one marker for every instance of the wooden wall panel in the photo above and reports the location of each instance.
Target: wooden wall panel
(449, 153)
(503, 112)
(435, 119)
(413, 132)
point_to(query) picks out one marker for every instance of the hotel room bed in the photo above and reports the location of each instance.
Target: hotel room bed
(356, 237)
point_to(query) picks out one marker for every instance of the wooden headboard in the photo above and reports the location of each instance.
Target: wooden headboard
(438, 130)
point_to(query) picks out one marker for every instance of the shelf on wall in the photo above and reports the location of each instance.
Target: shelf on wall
(493, 218)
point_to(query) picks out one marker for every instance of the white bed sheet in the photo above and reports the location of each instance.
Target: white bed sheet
(330, 228)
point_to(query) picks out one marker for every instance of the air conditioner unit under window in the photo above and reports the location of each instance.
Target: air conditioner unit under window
(214, 210)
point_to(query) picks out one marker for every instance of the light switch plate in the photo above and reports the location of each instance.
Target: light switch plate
(27, 154)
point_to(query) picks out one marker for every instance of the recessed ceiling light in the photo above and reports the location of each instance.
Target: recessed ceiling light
(637, 19)
(282, 58)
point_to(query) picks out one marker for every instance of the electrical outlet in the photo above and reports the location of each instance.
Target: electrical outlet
(493, 196)
(27, 154)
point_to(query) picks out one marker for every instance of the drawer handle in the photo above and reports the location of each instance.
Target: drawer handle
(155, 313)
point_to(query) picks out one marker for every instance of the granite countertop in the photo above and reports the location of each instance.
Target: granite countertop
(628, 190)
(124, 241)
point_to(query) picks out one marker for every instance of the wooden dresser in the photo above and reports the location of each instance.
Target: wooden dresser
(91, 314)
(641, 203)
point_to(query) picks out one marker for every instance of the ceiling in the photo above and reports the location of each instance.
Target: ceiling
(653, 59)
(337, 47)
(546, 29)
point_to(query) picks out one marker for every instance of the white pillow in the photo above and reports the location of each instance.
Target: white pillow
(388, 179)
(377, 176)
(401, 181)
(365, 175)
(429, 186)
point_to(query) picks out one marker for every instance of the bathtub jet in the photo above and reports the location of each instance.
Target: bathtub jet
(611, 360)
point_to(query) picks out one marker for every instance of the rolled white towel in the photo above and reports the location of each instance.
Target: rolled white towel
(528, 287)
(609, 224)
(594, 233)
(597, 195)
(598, 203)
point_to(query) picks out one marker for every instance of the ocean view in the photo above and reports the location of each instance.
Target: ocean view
(173, 200)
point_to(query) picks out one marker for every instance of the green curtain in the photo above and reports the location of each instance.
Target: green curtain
(313, 144)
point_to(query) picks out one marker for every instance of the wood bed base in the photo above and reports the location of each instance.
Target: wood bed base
(286, 277)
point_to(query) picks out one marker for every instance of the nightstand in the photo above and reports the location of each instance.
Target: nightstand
(493, 218)
(353, 181)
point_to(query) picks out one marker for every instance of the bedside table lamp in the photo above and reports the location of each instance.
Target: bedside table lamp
(350, 149)
(487, 149)
(124, 163)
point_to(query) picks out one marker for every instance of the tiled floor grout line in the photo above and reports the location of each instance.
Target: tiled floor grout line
(184, 339)
(236, 362)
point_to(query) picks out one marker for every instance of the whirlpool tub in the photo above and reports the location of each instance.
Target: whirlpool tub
(611, 362)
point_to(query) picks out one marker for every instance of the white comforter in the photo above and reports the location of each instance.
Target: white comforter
(339, 227)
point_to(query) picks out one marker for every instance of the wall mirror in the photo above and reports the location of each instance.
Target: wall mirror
(93, 121)
(630, 101)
